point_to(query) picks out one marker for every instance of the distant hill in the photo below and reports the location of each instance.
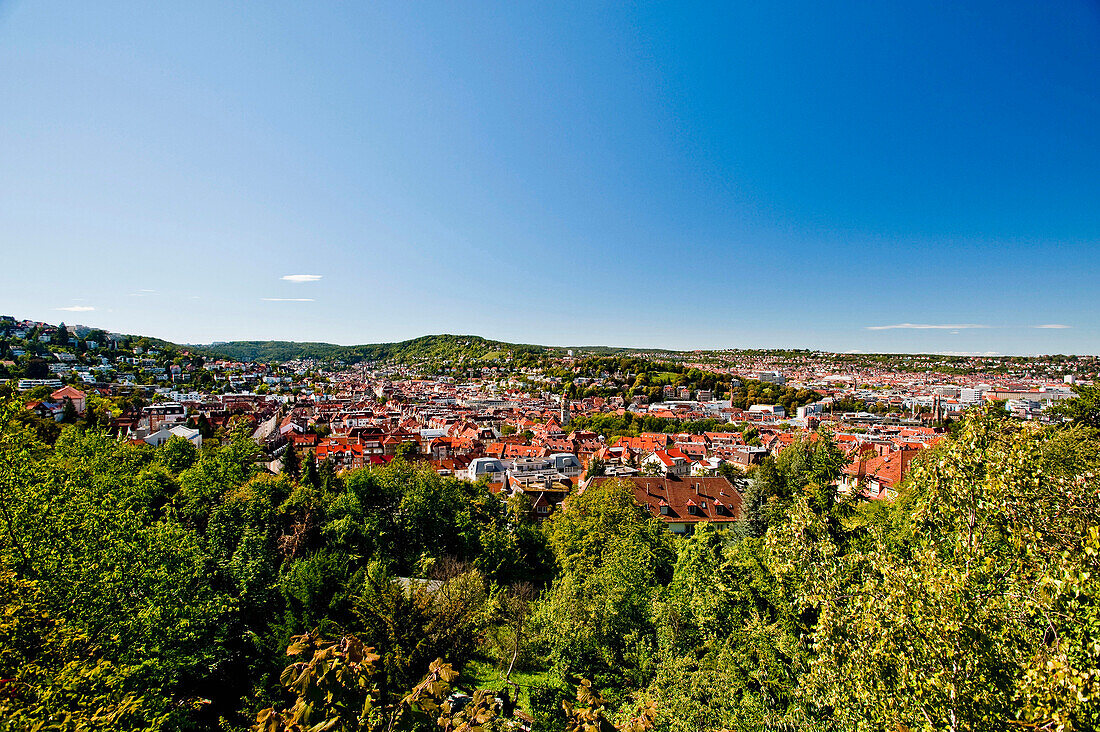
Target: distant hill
(431, 347)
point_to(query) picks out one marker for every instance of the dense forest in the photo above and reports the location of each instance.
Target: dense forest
(429, 348)
(174, 588)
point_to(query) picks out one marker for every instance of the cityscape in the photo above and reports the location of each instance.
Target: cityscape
(549, 367)
(539, 422)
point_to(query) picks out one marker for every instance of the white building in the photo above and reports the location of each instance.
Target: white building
(24, 384)
(809, 410)
(772, 377)
(166, 433)
(491, 468)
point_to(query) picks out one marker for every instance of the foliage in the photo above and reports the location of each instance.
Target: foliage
(611, 559)
(156, 589)
(413, 621)
(972, 611)
(335, 690)
(1083, 408)
(433, 347)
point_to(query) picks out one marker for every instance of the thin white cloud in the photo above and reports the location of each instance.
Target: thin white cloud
(287, 299)
(77, 308)
(1057, 326)
(301, 278)
(926, 326)
(968, 353)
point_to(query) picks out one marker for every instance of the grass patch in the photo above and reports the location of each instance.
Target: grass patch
(481, 672)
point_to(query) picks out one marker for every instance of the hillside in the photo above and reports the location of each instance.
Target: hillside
(432, 347)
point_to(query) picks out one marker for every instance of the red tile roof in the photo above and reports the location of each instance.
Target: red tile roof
(687, 499)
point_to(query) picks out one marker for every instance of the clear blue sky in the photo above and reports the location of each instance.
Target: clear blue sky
(770, 174)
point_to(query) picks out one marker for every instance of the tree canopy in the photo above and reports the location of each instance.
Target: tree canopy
(163, 589)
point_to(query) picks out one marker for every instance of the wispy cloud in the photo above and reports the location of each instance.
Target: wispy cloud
(76, 308)
(301, 278)
(926, 326)
(968, 353)
(287, 299)
(1057, 326)
(143, 292)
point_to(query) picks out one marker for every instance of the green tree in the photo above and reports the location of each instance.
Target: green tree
(177, 454)
(310, 475)
(731, 654)
(336, 688)
(595, 619)
(68, 411)
(36, 368)
(596, 467)
(407, 450)
(292, 465)
(137, 587)
(1083, 408)
(60, 336)
(970, 611)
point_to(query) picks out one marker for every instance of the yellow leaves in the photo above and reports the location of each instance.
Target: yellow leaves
(587, 714)
(644, 718)
(587, 695)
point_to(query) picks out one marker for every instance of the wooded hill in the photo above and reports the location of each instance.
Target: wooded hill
(431, 347)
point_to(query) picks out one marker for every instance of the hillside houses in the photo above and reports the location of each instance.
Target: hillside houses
(531, 430)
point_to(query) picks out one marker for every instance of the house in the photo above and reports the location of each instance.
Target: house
(25, 384)
(683, 503)
(706, 466)
(166, 433)
(545, 492)
(164, 413)
(75, 395)
(566, 464)
(667, 462)
(343, 455)
(492, 468)
(47, 410)
(876, 476)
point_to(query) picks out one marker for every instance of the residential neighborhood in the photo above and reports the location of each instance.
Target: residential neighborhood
(543, 429)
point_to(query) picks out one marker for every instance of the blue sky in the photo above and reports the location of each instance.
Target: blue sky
(653, 174)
